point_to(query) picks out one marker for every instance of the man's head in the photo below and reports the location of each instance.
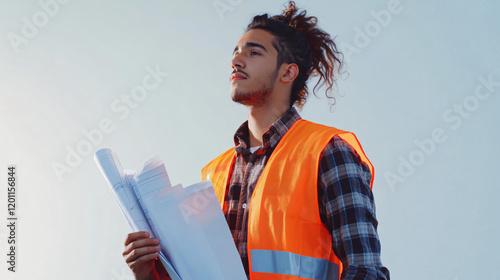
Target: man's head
(256, 76)
(291, 50)
(254, 63)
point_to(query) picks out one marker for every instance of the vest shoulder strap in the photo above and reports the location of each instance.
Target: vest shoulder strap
(309, 131)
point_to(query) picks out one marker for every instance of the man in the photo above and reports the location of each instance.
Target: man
(296, 195)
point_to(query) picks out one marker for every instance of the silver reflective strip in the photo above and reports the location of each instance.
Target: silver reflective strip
(280, 262)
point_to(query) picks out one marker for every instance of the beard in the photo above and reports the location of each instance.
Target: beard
(256, 97)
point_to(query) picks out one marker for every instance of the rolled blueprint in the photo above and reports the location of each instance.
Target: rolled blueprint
(121, 188)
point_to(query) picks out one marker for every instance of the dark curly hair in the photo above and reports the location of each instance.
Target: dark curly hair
(300, 41)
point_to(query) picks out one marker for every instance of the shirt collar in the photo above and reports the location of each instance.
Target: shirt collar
(272, 136)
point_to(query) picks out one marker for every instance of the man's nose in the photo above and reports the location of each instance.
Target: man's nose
(237, 61)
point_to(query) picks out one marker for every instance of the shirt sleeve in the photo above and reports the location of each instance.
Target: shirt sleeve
(347, 209)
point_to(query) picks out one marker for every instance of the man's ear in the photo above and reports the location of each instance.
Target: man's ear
(291, 71)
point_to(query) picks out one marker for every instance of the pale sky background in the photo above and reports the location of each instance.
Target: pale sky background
(412, 77)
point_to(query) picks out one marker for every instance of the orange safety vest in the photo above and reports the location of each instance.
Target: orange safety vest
(286, 237)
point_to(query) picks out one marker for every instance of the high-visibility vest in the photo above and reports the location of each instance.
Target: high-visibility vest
(286, 237)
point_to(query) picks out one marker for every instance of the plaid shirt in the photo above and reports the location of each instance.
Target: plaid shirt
(344, 196)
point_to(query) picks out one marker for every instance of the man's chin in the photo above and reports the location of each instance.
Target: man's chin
(250, 99)
(239, 100)
(239, 97)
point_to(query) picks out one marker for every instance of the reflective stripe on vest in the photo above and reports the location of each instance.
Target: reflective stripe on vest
(286, 263)
(286, 237)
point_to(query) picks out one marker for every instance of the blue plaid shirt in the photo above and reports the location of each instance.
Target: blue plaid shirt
(345, 199)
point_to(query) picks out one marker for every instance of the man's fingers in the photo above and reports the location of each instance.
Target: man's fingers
(140, 262)
(140, 249)
(142, 254)
(146, 242)
(131, 237)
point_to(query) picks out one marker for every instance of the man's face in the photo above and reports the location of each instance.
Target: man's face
(254, 68)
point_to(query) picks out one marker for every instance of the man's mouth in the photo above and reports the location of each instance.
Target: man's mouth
(238, 76)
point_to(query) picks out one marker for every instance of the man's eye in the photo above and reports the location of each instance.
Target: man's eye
(254, 53)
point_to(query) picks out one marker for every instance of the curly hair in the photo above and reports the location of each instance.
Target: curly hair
(299, 40)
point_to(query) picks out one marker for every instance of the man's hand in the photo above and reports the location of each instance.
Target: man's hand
(140, 253)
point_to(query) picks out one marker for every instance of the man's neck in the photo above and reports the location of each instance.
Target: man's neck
(260, 119)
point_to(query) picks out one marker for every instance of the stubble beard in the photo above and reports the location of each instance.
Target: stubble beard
(257, 97)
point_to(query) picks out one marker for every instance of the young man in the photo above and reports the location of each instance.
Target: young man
(296, 195)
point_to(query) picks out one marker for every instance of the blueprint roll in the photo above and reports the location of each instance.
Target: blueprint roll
(121, 186)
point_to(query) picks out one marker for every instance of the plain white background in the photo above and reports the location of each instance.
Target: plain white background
(415, 69)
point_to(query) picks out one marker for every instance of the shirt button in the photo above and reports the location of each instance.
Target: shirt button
(244, 206)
